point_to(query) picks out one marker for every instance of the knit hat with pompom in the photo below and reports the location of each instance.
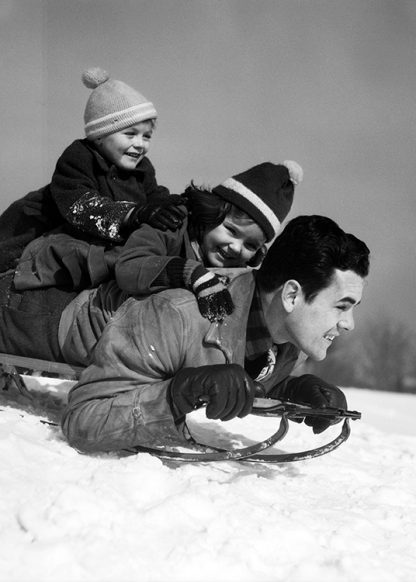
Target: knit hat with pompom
(264, 192)
(112, 105)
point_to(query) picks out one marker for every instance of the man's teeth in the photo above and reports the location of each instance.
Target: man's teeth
(330, 337)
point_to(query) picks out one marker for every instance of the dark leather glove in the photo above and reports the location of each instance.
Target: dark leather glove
(226, 388)
(313, 391)
(162, 213)
(214, 299)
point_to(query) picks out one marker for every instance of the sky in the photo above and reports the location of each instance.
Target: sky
(348, 516)
(328, 83)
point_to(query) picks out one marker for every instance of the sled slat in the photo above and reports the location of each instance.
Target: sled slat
(41, 365)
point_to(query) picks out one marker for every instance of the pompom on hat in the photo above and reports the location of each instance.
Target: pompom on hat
(112, 105)
(264, 192)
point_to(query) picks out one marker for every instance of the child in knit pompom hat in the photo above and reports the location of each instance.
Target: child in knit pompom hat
(104, 185)
(230, 226)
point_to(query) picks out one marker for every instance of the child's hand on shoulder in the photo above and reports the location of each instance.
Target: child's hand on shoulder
(163, 213)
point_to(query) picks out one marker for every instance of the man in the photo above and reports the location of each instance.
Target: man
(158, 358)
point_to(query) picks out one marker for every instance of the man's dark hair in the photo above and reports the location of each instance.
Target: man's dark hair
(309, 250)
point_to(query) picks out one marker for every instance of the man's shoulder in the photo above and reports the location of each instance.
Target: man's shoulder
(242, 274)
(178, 298)
(241, 282)
(238, 279)
(167, 310)
(184, 301)
(241, 286)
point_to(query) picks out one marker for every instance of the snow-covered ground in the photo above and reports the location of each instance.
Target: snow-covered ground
(348, 516)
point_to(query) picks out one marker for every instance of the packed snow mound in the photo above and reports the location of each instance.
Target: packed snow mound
(349, 515)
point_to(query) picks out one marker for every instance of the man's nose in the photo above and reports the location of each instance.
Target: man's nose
(347, 322)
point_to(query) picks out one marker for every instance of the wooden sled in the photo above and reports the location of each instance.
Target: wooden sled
(35, 365)
(20, 383)
(17, 375)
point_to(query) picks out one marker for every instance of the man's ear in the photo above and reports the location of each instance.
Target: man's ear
(291, 292)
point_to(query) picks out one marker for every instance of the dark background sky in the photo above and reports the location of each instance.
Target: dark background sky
(328, 83)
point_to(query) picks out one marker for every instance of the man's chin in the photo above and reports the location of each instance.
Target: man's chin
(320, 357)
(317, 357)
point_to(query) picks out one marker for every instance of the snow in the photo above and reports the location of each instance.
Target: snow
(348, 516)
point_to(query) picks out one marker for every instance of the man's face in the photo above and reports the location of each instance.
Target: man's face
(312, 327)
(126, 148)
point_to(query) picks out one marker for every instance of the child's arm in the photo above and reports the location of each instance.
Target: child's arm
(80, 188)
(77, 189)
(140, 266)
(151, 261)
(166, 213)
(161, 210)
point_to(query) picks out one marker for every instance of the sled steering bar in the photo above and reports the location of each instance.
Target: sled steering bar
(272, 407)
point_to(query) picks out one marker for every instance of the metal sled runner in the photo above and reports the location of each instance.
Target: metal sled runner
(10, 366)
(254, 453)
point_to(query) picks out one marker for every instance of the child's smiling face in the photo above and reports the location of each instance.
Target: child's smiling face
(127, 147)
(233, 243)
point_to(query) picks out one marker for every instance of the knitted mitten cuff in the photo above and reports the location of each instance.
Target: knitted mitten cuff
(183, 272)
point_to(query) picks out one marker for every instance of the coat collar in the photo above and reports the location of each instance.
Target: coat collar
(105, 167)
(230, 335)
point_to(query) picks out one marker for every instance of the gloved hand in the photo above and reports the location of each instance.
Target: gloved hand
(163, 213)
(226, 388)
(313, 391)
(214, 299)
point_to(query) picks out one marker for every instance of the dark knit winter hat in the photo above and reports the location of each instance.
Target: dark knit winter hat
(265, 192)
(112, 105)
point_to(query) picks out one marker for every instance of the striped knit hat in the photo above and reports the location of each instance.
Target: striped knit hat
(112, 105)
(265, 192)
